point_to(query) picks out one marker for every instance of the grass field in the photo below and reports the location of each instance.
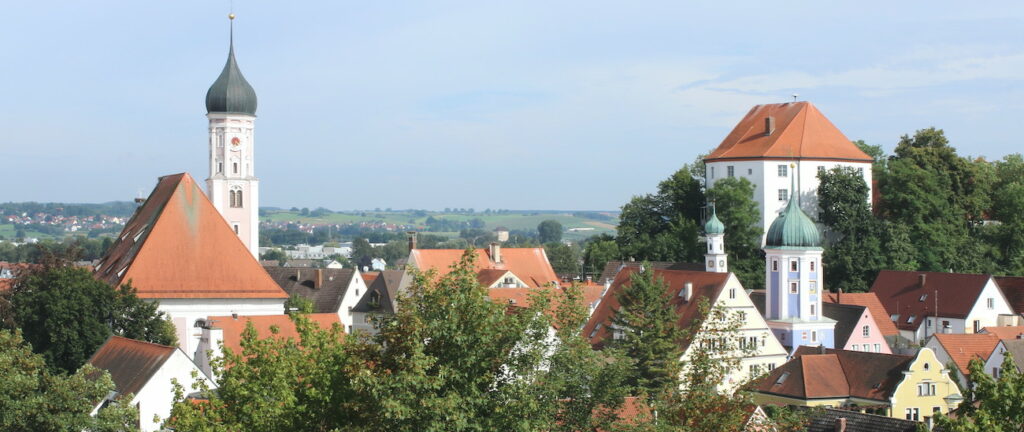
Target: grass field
(516, 220)
(7, 232)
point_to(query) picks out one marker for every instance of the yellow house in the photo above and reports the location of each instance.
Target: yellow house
(909, 387)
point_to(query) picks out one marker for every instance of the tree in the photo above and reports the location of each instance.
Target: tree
(449, 359)
(362, 253)
(598, 252)
(297, 303)
(34, 399)
(275, 255)
(650, 336)
(991, 405)
(735, 205)
(66, 314)
(549, 231)
(854, 253)
(565, 259)
(665, 226)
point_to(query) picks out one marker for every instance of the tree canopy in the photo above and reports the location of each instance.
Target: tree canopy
(549, 231)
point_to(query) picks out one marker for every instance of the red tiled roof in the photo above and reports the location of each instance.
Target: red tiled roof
(902, 293)
(1005, 332)
(964, 347)
(131, 363)
(705, 285)
(801, 132)
(233, 327)
(1013, 289)
(177, 245)
(870, 301)
(829, 373)
(528, 264)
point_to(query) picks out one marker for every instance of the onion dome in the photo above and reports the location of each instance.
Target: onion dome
(714, 225)
(793, 229)
(231, 93)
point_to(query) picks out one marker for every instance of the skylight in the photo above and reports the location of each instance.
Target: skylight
(923, 296)
(910, 319)
(782, 378)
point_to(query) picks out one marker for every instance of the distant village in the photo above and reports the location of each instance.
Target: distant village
(896, 357)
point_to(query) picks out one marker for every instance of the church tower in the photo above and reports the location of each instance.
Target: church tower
(793, 277)
(232, 186)
(717, 260)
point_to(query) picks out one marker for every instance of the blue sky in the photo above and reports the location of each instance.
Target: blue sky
(483, 104)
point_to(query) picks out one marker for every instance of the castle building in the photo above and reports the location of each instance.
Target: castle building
(232, 185)
(793, 277)
(776, 143)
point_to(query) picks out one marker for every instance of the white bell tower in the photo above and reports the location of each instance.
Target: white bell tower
(717, 259)
(232, 185)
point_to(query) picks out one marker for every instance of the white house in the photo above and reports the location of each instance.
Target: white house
(994, 364)
(145, 371)
(775, 142)
(960, 349)
(330, 290)
(922, 304)
(178, 250)
(687, 288)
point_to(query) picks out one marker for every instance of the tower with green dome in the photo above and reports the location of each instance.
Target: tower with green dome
(716, 259)
(794, 280)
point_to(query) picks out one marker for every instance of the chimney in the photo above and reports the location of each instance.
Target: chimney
(769, 125)
(496, 252)
(318, 281)
(412, 239)
(298, 275)
(140, 200)
(840, 424)
(687, 292)
(234, 315)
(921, 279)
(839, 296)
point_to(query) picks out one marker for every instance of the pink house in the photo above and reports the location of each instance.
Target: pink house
(856, 329)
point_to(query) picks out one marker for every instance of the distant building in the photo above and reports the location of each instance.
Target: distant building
(960, 349)
(501, 233)
(994, 364)
(330, 290)
(869, 300)
(497, 267)
(775, 144)
(378, 264)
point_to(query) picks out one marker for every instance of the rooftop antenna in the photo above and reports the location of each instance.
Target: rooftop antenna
(795, 96)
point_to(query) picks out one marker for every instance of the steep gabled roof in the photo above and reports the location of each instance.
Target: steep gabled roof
(846, 317)
(706, 285)
(234, 326)
(964, 347)
(870, 301)
(1013, 289)
(324, 287)
(131, 363)
(1016, 348)
(801, 132)
(816, 372)
(903, 294)
(386, 285)
(528, 264)
(177, 245)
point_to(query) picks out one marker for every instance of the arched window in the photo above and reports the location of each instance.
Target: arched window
(235, 197)
(231, 198)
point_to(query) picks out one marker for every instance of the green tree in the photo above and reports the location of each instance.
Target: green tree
(362, 253)
(34, 399)
(991, 405)
(66, 314)
(449, 359)
(549, 231)
(598, 252)
(665, 226)
(854, 251)
(298, 304)
(735, 205)
(565, 259)
(650, 336)
(275, 255)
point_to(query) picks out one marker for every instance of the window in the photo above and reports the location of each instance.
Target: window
(235, 198)
(878, 348)
(775, 265)
(927, 366)
(991, 303)
(855, 346)
(750, 171)
(783, 170)
(814, 335)
(743, 316)
(794, 266)
(732, 293)
(977, 326)
(866, 331)
(813, 286)
(235, 165)
(236, 228)
(923, 296)
(995, 372)
(821, 169)
(913, 414)
(783, 194)
(730, 172)
(928, 323)
(771, 366)
(793, 288)
(894, 317)
(910, 319)
(812, 265)
(220, 167)
(814, 310)
(926, 389)
(712, 172)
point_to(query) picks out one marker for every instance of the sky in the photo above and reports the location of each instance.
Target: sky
(569, 105)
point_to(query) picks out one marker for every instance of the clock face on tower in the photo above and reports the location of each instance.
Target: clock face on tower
(235, 143)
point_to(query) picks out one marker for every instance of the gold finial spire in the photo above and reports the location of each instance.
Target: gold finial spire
(231, 16)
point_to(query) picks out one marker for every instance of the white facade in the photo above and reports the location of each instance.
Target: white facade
(716, 259)
(186, 312)
(772, 188)
(156, 397)
(994, 364)
(768, 354)
(990, 309)
(232, 186)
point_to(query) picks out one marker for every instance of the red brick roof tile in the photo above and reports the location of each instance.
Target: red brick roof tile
(964, 347)
(131, 363)
(870, 301)
(528, 264)
(234, 326)
(902, 293)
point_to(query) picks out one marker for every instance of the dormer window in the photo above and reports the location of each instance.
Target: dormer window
(923, 297)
